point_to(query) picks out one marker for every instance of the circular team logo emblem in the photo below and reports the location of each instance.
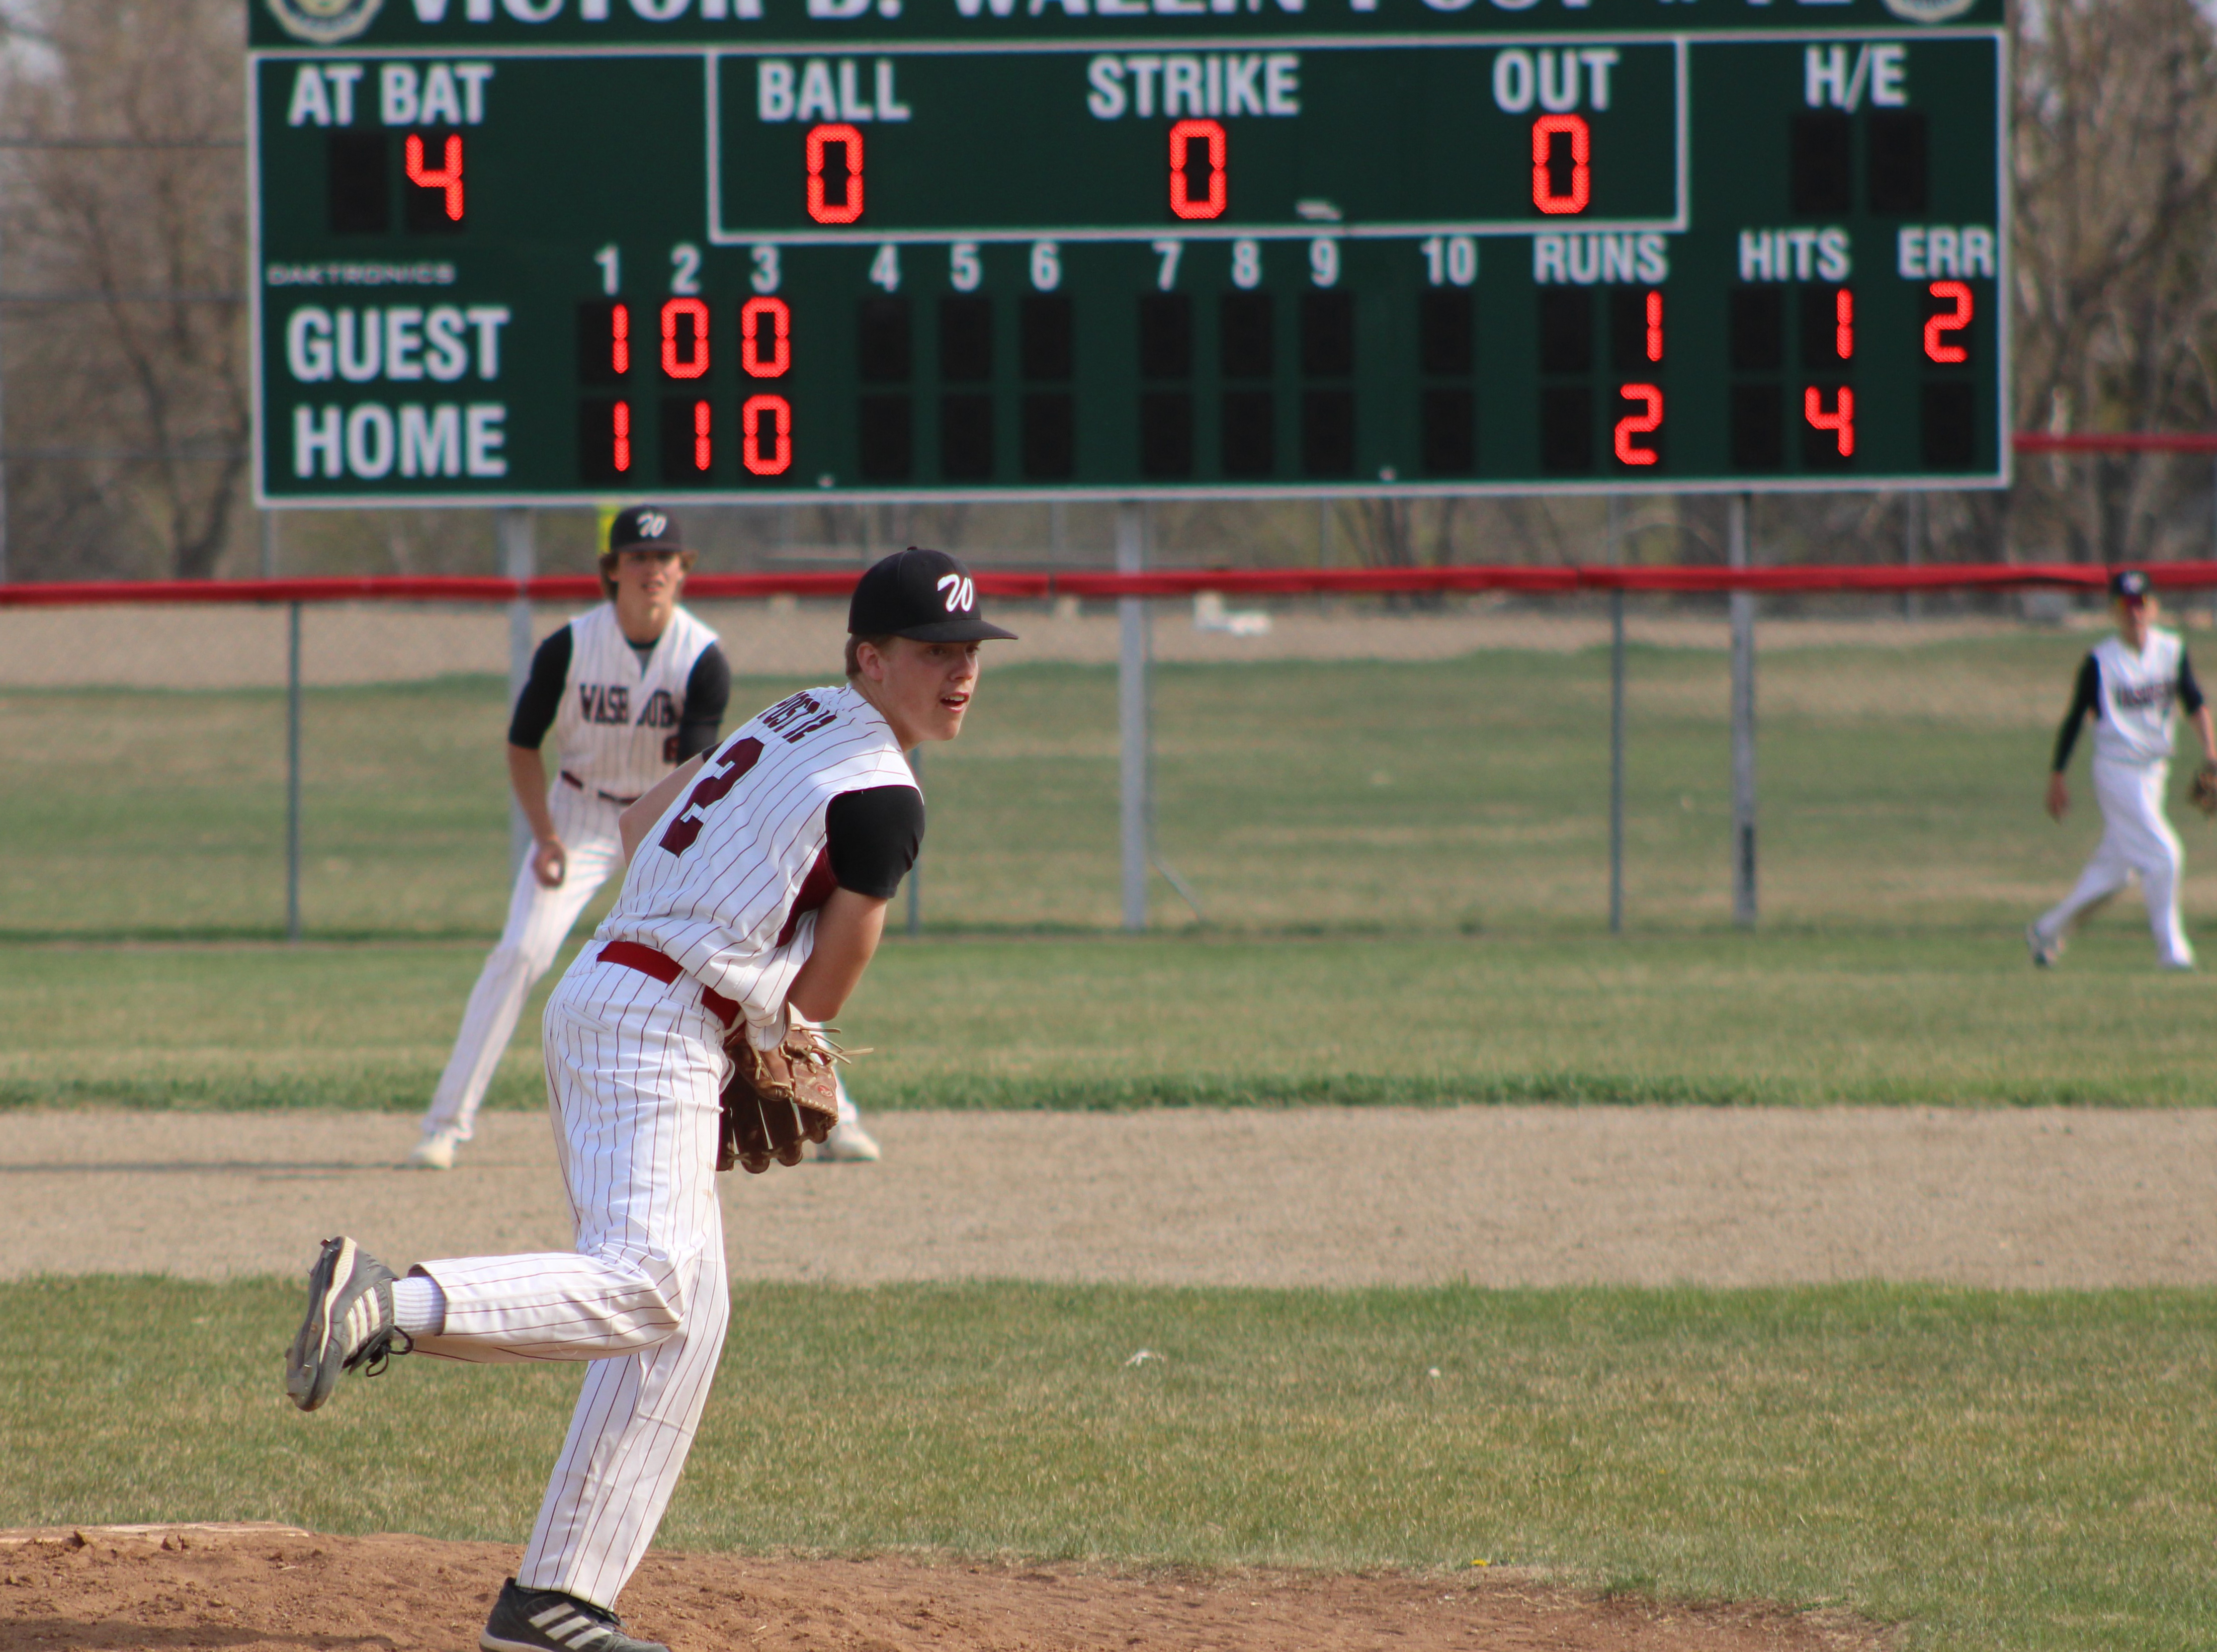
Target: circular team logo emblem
(324, 22)
(1929, 11)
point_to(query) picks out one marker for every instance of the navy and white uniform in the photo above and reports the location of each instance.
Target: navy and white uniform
(717, 915)
(623, 715)
(2133, 695)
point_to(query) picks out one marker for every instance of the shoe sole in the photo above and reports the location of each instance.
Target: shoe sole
(309, 1382)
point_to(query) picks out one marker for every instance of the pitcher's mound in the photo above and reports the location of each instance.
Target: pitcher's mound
(121, 1588)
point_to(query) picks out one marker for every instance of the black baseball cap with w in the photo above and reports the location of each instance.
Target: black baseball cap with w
(644, 528)
(923, 594)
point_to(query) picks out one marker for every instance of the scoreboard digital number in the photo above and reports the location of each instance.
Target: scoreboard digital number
(516, 251)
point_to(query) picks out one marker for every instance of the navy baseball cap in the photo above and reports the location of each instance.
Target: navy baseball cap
(923, 594)
(644, 528)
(2129, 585)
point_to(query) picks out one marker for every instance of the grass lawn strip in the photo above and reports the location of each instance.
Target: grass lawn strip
(2029, 1470)
(1793, 1018)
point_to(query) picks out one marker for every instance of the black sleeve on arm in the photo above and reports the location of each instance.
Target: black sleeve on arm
(2189, 692)
(707, 694)
(542, 693)
(876, 834)
(2086, 699)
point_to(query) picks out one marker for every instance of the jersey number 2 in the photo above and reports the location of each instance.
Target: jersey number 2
(678, 837)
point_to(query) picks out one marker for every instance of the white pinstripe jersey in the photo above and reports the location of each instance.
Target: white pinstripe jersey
(727, 882)
(616, 729)
(2134, 720)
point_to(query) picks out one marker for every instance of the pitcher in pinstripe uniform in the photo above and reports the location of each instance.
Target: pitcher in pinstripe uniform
(759, 878)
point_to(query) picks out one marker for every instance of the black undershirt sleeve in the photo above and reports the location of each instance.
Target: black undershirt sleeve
(875, 837)
(542, 693)
(2189, 692)
(2086, 698)
(707, 695)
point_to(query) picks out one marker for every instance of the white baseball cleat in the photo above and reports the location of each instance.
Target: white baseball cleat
(2044, 952)
(435, 1152)
(850, 1144)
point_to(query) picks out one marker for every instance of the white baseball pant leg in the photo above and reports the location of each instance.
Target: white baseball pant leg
(634, 1071)
(2136, 837)
(538, 920)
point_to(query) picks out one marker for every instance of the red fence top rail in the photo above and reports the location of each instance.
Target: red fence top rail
(1162, 582)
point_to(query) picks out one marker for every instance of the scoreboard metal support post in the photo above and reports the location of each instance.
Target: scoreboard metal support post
(1743, 723)
(1615, 724)
(1912, 547)
(518, 561)
(1131, 716)
(293, 772)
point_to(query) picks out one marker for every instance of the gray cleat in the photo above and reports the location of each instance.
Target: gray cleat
(2044, 952)
(548, 1620)
(350, 1324)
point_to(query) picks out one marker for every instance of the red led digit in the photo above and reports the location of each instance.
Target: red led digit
(1544, 132)
(1948, 322)
(1182, 138)
(1639, 424)
(449, 178)
(619, 436)
(703, 453)
(750, 433)
(619, 339)
(1843, 325)
(1654, 326)
(1841, 421)
(750, 338)
(849, 207)
(694, 364)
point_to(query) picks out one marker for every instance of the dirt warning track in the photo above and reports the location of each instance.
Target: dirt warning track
(2013, 1199)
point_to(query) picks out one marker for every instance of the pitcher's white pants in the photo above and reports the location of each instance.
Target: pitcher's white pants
(2135, 838)
(538, 920)
(634, 1069)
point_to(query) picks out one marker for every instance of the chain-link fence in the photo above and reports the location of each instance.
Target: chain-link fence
(1327, 763)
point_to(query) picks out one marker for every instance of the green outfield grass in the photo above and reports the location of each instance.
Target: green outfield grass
(1802, 1017)
(1900, 790)
(2029, 1471)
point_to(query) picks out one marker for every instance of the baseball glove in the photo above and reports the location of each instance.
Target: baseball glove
(779, 1098)
(2203, 793)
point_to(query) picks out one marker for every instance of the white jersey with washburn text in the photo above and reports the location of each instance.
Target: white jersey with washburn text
(616, 729)
(2133, 714)
(727, 882)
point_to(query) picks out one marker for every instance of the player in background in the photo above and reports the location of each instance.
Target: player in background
(629, 691)
(2129, 684)
(756, 893)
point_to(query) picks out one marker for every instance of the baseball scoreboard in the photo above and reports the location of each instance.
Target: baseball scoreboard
(511, 251)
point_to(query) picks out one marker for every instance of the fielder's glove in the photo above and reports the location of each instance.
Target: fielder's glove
(778, 1098)
(2203, 793)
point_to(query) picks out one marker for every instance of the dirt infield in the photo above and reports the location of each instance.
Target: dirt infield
(2014, 1198)
(245, 1588)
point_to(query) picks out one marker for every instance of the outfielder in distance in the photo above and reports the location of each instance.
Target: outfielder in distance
(628, 691)
(756, 894)
(2129, 684)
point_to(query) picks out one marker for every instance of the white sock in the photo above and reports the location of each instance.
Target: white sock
(419, 1307)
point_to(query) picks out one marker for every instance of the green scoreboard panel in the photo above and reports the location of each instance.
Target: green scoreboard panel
(517, 251)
